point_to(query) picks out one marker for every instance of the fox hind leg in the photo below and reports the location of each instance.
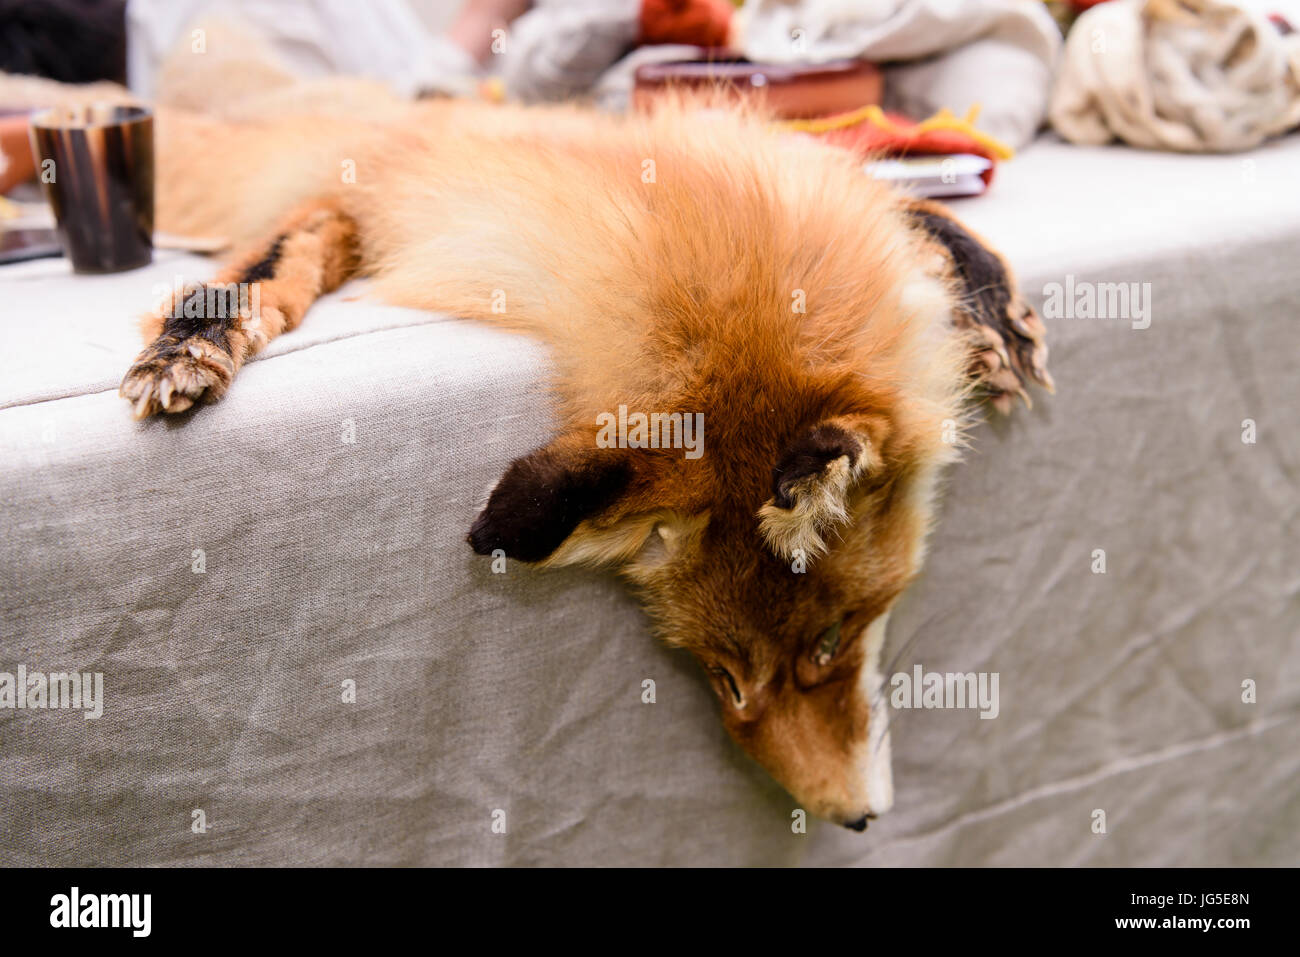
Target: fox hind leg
(199, 340)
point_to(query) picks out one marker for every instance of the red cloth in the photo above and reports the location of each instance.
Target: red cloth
(703, 23)
(868, 139)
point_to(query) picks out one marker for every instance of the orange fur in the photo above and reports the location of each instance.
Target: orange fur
(686, 261)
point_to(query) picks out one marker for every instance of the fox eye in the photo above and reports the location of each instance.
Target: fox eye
(725, 675)
(827, 644)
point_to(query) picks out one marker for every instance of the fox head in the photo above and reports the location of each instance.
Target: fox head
(774, 543)
(774, 557)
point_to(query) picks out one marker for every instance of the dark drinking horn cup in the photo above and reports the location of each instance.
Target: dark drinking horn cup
(95, 164)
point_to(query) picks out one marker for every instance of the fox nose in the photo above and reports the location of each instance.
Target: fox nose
(861, 823)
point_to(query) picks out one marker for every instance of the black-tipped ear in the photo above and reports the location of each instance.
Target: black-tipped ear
(809, 455)
(1007, 336)
(543, 496)
(813, 480)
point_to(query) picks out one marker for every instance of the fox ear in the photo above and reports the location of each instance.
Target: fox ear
(544, 496)
(1008, 350)
(813, 481)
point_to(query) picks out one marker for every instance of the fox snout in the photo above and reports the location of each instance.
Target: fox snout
(827, 744)
(849, 786)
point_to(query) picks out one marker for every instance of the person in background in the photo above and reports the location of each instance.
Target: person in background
(384, 40)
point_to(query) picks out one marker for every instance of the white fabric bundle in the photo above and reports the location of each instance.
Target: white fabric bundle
(999, 54)
(1186, 75)
(559, 48)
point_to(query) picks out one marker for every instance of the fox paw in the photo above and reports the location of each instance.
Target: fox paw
(173, 374)
(1010, 352)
